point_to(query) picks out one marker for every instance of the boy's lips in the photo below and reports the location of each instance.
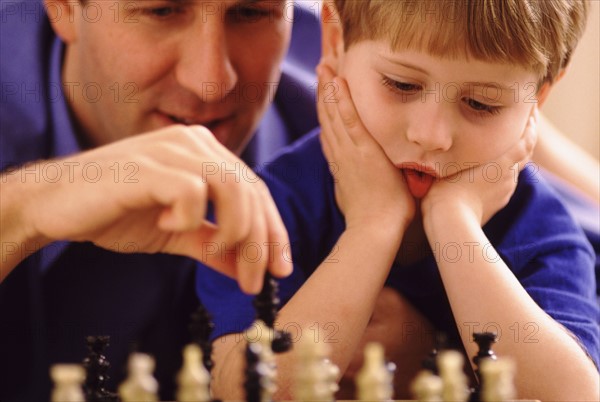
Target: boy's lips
(419, 179)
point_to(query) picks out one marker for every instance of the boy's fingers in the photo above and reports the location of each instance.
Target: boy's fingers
(349, 116)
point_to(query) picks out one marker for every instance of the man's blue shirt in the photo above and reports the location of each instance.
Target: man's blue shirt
(67, 291)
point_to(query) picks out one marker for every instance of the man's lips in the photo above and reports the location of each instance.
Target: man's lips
(209, 122)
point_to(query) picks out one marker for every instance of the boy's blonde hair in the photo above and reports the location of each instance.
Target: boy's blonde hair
(539, 35)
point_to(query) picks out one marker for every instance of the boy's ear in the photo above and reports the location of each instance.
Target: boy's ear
(332, 35)
(544, 91)
(61, 14)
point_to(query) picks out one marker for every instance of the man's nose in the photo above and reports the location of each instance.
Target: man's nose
(204, 66)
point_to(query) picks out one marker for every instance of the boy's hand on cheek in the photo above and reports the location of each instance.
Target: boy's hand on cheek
(474, 191)
(369, 189)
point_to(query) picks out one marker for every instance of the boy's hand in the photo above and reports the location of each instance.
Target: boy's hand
(369, 189)
(149, 193)
(471, 190)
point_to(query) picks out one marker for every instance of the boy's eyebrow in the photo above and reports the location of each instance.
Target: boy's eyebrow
(404, 64)
(496, 85)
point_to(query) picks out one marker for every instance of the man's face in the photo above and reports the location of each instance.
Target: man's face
(135, 66)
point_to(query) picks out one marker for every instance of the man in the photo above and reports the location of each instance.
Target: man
(82, 76)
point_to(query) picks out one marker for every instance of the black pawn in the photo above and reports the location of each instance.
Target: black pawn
(430, 363)
(96, 367)
(201, 326)
(484, 341)
(266, 304)
(253, 375)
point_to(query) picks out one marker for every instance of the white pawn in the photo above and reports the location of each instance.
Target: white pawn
(317, 376)
(450, 363)
(374, 381)
(498, 380)
(68, 379)
(140, 385)
(427, 387)
(193, 378)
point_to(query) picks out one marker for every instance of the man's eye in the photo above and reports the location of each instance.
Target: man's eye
(248, 13)
(161, 12)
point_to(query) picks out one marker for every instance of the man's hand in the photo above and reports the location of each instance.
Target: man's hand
(151, 192)
(369, 189)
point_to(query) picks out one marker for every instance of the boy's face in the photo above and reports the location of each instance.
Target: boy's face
(437, 115)
(159, 62)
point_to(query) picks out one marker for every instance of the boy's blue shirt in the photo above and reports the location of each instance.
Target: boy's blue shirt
(534, 234)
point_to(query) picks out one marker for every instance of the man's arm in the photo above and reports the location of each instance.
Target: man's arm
(160, 206)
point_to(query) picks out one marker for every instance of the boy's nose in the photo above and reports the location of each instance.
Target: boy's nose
(430, 131)
(204, 66)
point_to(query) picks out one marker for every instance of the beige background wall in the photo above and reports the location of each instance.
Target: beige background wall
(574, 104)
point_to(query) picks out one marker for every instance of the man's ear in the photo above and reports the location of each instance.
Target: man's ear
(332, 35)
(62, 16)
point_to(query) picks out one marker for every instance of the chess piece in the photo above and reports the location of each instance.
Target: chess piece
(498, 380)
(266, 304)
(430, 363)
(316, 378)
(193, 378)
(96, 368)
(454, 380)
(427, 387)
(68, 379)
(201, 326)
(254, 373)
(140, 385)
(484, 342)
(267, 360)
(374, 381)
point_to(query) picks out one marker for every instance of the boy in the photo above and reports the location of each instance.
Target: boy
(422, 143)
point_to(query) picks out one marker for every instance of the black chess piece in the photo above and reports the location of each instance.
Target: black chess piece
(201, 326)
(430, 363)
(96, 367)
(253, 374)
(266, 304)
(484, 341)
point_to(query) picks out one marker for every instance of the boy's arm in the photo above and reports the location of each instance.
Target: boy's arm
(482, 289)
(344, 288)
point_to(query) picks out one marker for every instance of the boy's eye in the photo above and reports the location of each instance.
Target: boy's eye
(482, 107)
(404, 87)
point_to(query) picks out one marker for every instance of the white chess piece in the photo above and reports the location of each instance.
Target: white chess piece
(140, 385)
(316, 378)
(68, 379)
(374, 381)
(450, 363)
(498, 380)
(427, 387)
(193, 378)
